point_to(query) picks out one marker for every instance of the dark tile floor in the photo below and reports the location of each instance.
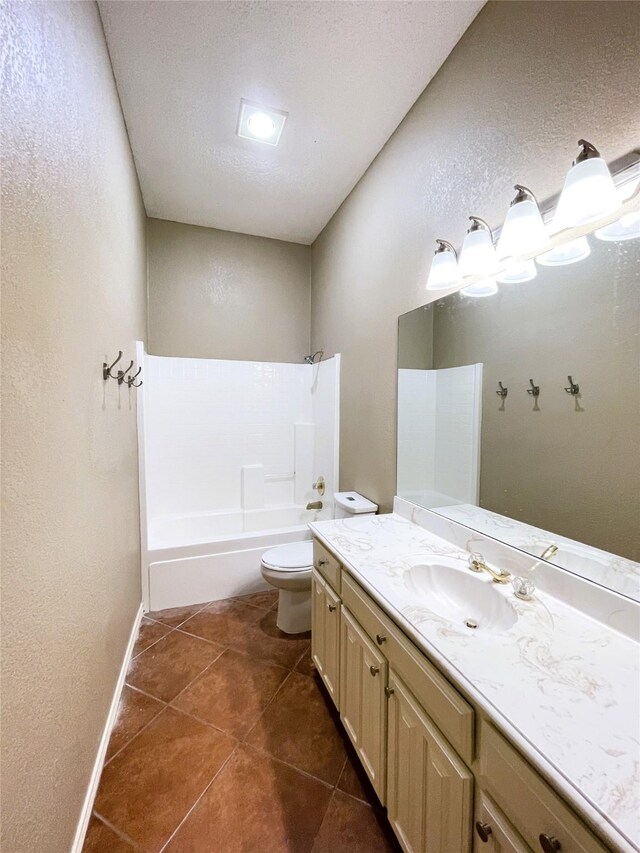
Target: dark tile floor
(227, 743)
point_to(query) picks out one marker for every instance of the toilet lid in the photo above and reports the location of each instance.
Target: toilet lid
(297, 555)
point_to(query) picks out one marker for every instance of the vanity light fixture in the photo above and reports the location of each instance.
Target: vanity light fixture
(625, 228)
(589, 191)
(523, 232)
(568, 253)
(444, 273)
(478, 255)
(262, 124)
(518, 272)
(486, 287)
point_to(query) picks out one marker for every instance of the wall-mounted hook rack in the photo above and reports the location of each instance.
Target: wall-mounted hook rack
(573, 388)
(121, 373)
(130, 379)
(502, 391)
(107, 368)
(534, 390)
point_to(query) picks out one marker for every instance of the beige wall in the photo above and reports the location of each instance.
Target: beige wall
(218, 294)
(73, 292)
(525, 81)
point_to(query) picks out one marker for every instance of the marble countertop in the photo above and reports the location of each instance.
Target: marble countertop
(563, 686)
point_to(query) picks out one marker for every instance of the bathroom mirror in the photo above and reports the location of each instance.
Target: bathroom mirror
(519, 413)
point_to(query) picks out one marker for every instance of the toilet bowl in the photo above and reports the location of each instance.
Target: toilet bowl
(288, 568)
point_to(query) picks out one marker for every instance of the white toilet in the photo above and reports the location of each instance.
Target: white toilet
(288, 568)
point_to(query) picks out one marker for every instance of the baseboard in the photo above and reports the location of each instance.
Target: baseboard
(87, 808)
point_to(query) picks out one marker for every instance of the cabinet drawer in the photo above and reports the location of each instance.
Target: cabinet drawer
(529, 803)
(492, 831)
(327, 565)
(442, 702)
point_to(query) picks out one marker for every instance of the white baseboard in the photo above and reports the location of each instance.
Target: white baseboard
(87, 807)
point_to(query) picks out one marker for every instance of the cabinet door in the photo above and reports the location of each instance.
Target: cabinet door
(363, 705)
(331, 661)
(429, 789)
(317, 621)
(492, 831)
(325, 634)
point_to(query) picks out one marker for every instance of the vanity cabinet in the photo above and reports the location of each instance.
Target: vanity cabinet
(429, 789)
(363, 699)
(450, 781)
(325, 634)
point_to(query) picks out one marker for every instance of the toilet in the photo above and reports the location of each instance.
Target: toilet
(289, 567)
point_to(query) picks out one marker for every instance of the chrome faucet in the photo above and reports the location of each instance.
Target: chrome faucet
(477, 564)
(314, 505)
(549, 552)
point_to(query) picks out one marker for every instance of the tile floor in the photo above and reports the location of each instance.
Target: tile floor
(226, 743)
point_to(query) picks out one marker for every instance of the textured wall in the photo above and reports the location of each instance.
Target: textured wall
(73, 292)
(217, 294)
(525, 81)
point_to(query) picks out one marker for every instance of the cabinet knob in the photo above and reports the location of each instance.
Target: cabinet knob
(322, 563)
(549, 844)
(388, 692)
(374, 670)
(331, 607)
(380, 639)
(484, 830)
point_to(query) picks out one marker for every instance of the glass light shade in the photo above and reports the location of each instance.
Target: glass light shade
(569, 253)
(478, 255)
(626, 228)
(588, 194)
(486, 287)
(523, 232)
(517, 273)
(444, 273)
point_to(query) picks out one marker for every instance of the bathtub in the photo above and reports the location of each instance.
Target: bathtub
(190, 559)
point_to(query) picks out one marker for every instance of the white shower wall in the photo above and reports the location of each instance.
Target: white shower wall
(439, 430)
(224, 439)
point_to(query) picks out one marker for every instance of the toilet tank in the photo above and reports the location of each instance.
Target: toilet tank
(351, 503)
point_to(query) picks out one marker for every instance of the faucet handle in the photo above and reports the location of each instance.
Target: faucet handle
(476, 561)
(523, 588)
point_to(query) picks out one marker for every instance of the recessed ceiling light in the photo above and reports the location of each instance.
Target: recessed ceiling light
(262, 124)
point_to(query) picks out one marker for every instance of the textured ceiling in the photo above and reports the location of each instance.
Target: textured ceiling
(347, 73)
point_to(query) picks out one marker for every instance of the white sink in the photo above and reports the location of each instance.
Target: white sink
(449, 588)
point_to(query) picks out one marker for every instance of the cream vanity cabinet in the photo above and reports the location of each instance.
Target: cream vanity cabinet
(450, 781)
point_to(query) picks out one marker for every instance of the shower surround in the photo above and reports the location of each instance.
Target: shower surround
(229, 452)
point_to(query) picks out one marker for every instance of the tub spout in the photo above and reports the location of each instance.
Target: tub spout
(314, 505)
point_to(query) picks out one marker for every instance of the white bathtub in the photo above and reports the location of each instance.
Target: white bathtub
(195, 558)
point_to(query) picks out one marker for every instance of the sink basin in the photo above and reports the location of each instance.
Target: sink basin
(448, 588)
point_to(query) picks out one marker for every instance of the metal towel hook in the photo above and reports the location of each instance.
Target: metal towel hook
(130, 379)
(573, 388)
(502, 391)
(121, 373)
(534, 390)
(106, 368)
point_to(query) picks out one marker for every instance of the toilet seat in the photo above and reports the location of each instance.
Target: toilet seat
(294, 557)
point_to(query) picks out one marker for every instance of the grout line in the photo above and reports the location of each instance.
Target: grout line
(146, 726)
(119, 832)
(186, 633)
(155, 716)
(151, 645)
(269, 703)
(195, 804)
(275, 758)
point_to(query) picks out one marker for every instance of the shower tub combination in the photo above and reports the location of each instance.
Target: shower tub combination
(250, 434)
